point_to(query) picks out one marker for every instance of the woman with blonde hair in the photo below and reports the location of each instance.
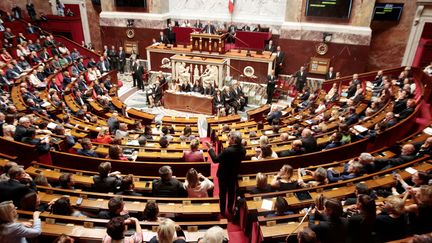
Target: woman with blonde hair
(196, 184)
(262, 185)
(391, 223)
(12, 231)
(283, 180)
(168, 232)
(421, 209)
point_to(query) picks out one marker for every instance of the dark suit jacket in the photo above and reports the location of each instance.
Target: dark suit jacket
(170, 188)
(301, 77)
(271, 83)
(229, 161)
(15, 191)
(330, 231)
(269, 48)
(330, 76)
(209, 28)
(163, 39)
(20, 132)
(309, 144)
(280, 58)
(107, 184)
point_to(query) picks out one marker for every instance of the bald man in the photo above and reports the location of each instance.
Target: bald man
(407, 154)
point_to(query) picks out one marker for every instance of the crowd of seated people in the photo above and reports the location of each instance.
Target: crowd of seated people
(196, 185)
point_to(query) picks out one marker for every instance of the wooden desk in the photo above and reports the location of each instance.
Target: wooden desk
(188, 103)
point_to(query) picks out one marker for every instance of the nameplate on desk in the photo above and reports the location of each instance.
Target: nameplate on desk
(70, 225)
(136, 179)
(257, 199)
(271, 223)
(84, 196)
(164, 151)
(187, 203)
(245, 178)
(99, 199)
(349, 184)
(135, 202)
(375, 177)
(192, 228)
(50, 221)
(319, 190)
(88, 224)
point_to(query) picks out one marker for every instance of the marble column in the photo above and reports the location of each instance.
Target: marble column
(107, 5)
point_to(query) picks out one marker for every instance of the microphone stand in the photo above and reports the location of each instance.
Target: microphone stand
(299, 224)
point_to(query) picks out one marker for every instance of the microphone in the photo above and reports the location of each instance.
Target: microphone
(301, 222)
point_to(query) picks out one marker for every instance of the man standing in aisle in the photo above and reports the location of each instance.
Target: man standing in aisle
(229, 161)
(271, 84)
(301, 77)
(122, 59)
(280, 56)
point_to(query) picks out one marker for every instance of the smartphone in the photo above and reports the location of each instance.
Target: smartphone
(302, 172)
(79, 201)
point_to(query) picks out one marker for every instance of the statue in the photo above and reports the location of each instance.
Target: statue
(182, 72)
(210, 76)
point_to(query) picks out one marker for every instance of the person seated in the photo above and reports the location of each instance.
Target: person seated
(197, 185)
(231, 104)
(420, 211)
(309, 142)
(116, 152)
(335, 141)
(214, 234)
(42, 145)
(198, 87)
(4, 176)
(262, 185)
(166, 185)
(319, 177)
(410, 107)
(283, 180)
(391, 223)
(106, 181)
(187, 134)
(19, 184)
(361, 223)
(331, 227)
(296, 149)
(275, 114)
(86, 149)
(116, 229)
(62, 206)
(13, 231)
(193, 155)
(168, 232)
(219, 103)
(361, 188)
(163, 142)
(151, 211)
(116, 208)
(407, 154)
(281, 208)
(351, 170)
(417, 179)
(122, 132)
(66, 181)
(333, 93)
(264, 152)
(127, 187)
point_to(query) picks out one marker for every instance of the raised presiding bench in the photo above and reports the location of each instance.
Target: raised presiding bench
(188, 102)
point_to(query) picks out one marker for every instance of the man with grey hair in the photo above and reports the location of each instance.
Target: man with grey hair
(23, 124)
(167, 186)
(229, 161)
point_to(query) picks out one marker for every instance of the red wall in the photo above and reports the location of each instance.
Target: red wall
(71, 25)
(345, 58)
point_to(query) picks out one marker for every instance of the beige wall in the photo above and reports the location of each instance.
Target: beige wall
(361, 13)
(389, 40)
